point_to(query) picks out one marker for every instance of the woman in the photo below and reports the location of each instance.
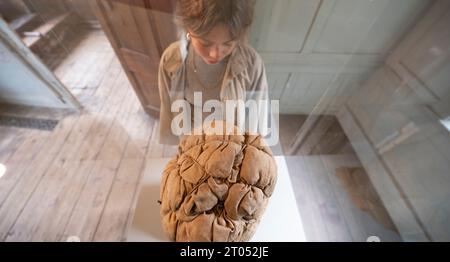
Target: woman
(212, 58)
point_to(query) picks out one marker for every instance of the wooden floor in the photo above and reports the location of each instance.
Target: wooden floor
(337, 201)
(81, 179)
(334, 194)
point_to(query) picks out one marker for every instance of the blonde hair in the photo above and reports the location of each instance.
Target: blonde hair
(200, 16)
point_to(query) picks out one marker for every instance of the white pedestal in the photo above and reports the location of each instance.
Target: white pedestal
(281, 221)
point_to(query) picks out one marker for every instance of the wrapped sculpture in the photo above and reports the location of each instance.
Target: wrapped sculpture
(217, 188)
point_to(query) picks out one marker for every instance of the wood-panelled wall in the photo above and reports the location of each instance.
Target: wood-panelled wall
(317, 53)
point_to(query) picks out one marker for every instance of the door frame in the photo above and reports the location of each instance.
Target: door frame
(39, 69)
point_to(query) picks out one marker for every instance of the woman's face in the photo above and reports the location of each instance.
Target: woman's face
(214, 46)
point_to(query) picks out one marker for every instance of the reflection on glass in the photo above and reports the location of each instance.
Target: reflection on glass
(364, 104)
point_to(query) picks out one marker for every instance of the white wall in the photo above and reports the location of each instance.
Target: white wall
(317, 52)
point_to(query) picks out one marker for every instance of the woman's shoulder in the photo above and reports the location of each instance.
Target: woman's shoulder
(249, 52)
(171, 58)
(248, 59)
(251, 58)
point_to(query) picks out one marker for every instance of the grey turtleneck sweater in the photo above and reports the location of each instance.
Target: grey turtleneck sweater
(207, 79)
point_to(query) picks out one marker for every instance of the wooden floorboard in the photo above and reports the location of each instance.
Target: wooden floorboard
(77, 175)
(313, 224)
(327, 206)
(18, 163)
(360, 205)
(113, 222)
(324, 194)
(11, 138)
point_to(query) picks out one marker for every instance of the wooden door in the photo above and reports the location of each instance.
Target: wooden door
(139, 31)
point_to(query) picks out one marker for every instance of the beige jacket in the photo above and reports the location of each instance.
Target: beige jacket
(245, 78)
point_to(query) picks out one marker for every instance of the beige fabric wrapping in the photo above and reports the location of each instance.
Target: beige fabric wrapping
(216, 188)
